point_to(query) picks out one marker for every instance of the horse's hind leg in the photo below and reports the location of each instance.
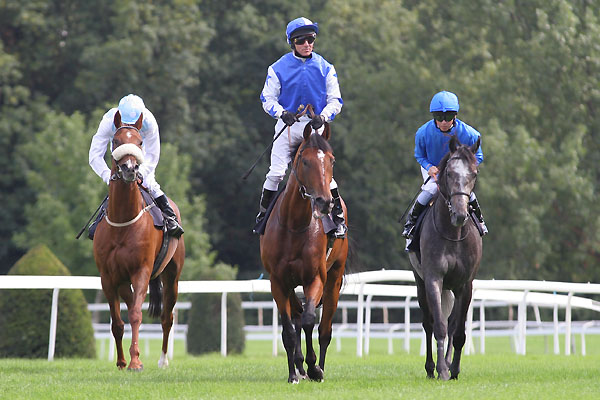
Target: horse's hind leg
(169, 279)
(296, 307)
(463, 301)
(331, 295)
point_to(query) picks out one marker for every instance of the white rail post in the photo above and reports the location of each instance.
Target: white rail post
(407, 324)
(53, 319)
(368, 323)
(568, 323)
(275, 312)
(555, 318)
(522, 318)
(224, 324)
(482, 327)
(359, 321)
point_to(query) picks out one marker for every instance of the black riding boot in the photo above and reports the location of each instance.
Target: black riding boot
(173, 227)
(411, 219)
(265, 199)
(337, 215)
(477, 211)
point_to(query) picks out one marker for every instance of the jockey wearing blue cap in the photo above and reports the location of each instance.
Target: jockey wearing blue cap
(131, 108)
(299, 78)
(431, 145)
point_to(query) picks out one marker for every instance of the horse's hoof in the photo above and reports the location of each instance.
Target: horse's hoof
(443, 376)
(293, 380)
(136, 369)
(315, 373)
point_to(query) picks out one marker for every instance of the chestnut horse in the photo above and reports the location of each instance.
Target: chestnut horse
(126, 244)
(450, 253)
(294, 253)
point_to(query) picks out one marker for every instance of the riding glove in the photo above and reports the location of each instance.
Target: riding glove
(288, 118)
(317, 122)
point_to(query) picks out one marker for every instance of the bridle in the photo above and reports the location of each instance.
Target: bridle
(119, 173)
(447, 200)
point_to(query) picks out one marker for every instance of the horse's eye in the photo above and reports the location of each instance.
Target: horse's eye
(305, 163)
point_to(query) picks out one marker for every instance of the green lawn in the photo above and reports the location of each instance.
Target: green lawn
(256, 374)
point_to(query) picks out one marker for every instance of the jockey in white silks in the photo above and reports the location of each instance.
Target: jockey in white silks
(131, 108)
(299, 78)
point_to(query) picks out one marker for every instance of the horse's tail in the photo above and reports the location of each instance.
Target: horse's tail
(155, 306)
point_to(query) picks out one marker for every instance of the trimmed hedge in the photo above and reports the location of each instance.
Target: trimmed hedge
(25, 314)
(204, 324)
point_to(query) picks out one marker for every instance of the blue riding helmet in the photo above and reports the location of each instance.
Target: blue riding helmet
(130, 108)
(444, 101)
(300, 26)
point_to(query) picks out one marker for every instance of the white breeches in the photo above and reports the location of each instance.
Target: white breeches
(289, 139)
(152, 185)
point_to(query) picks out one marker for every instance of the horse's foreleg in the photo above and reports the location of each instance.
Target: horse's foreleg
(170, 289)
(288, 334)
(331, 295)
(140, 287)
(433, 288)
(463, 301)
(313, 294)
(427, 326)
(117, 324)
(296, 308)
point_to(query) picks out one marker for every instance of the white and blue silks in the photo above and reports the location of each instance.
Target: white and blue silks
(151, 149)
(431, 145)
(293, 82)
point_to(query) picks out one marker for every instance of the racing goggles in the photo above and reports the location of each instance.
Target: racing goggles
(308, 38)
(444, 116)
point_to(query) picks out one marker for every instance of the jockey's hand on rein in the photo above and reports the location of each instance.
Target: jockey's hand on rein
(288, 118)
(317, 122)
(140, 178)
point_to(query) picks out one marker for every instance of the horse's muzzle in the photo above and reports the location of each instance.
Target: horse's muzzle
(322, 207)
(128, 171)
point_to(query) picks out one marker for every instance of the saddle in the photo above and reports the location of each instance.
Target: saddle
(414, 243)
(328, 225)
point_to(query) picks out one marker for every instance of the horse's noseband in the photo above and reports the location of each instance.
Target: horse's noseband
(449, 198)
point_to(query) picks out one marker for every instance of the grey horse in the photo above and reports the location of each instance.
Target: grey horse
(448, 260)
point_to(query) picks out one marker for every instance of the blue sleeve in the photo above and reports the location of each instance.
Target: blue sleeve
(421, 150)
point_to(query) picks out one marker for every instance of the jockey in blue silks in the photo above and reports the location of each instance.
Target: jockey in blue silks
(431, 145)
(299, 78)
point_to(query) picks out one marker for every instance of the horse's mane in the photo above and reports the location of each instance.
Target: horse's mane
(314, 140)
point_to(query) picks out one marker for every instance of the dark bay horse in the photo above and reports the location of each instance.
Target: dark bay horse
(294, 253)
(450, 253)
(126, 244)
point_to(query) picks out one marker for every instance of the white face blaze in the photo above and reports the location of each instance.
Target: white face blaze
(321, 157)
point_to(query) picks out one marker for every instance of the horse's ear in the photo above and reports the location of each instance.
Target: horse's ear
(476, 145)
(138, 123)
(117, 119)
(454, 143)
(326, 131)
(307, 131)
